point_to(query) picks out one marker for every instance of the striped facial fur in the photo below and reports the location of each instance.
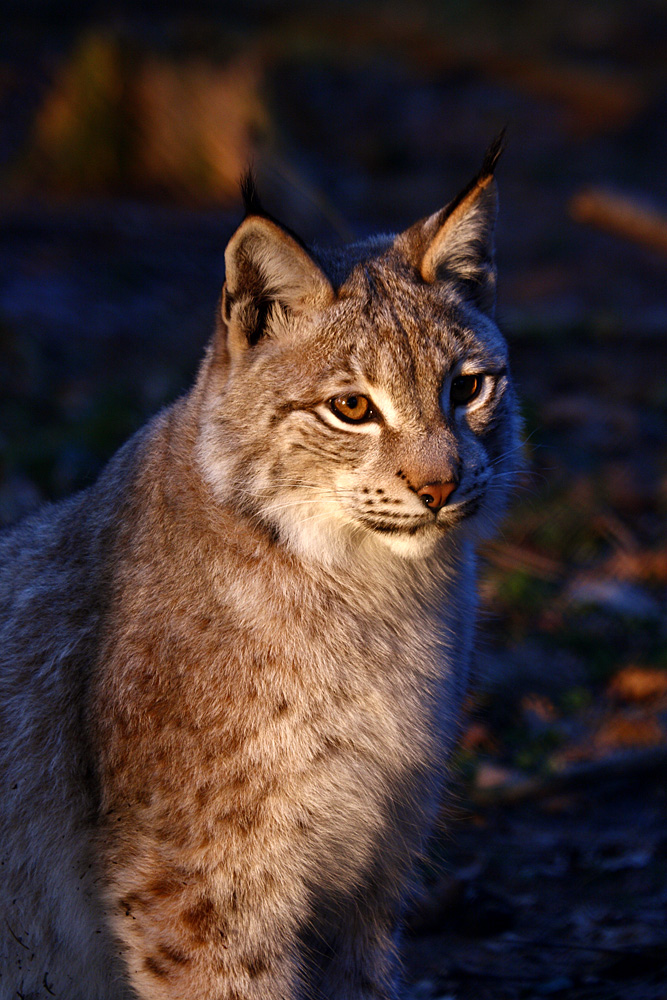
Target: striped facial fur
(365, 398)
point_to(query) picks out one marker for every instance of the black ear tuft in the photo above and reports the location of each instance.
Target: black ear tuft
(491, 158)
(252, 204)
(251, 200)
(492, 155)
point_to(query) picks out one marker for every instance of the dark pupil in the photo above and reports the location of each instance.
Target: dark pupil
(352, 408)
(464, 388)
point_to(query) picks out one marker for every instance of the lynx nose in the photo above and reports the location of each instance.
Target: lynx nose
(435, 495)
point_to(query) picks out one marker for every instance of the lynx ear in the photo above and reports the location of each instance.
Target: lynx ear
(267, 267)
(457, 244)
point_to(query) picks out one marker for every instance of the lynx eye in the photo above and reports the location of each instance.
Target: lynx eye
(352, 408)
(464, 389)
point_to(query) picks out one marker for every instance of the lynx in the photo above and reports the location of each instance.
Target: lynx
(231, 669)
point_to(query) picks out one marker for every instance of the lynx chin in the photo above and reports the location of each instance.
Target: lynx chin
(230, 670)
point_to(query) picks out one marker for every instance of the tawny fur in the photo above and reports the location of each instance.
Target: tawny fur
(230, 670)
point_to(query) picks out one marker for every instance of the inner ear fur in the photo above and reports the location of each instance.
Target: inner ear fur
(266, 266)
(457, 243)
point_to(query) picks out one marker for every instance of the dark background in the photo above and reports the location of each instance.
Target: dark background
(123, 131)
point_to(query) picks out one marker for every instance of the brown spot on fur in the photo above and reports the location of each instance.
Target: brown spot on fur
(207, 838)
(332, 747)
(237, 784)
(153, 966)
(160, 754)
(202, 623)
(255, 966)
(179, 836)
(165, 886)
(173, 955)
(269, 880)
(202, 921)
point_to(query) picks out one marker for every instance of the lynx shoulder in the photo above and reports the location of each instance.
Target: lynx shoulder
(230, 670)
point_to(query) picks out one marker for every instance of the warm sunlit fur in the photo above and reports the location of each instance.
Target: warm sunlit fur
(230, 671)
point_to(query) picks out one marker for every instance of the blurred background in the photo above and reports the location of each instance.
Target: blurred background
(123, 131)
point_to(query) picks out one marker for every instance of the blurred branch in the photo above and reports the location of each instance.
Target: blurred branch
(621, 215)
(622, 765)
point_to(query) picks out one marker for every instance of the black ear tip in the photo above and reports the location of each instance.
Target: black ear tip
(251, 200)
(493, 154)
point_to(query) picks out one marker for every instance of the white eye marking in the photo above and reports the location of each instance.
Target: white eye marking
(386, 407)
(383, 410)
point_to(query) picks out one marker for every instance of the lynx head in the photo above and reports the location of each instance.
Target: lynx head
(363, 398)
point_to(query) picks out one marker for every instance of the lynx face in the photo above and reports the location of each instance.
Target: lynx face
(380, 412)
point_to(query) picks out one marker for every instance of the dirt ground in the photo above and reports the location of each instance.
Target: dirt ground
(563, 895)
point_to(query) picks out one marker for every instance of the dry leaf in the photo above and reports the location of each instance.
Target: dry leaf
(621, 732)
(636, 683)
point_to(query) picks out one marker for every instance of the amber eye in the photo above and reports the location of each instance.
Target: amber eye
(353, 409)
(465, 388)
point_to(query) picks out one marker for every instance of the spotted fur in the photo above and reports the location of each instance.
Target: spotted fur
(230, 670)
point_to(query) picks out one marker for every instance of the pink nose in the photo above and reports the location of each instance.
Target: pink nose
(435, 495)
